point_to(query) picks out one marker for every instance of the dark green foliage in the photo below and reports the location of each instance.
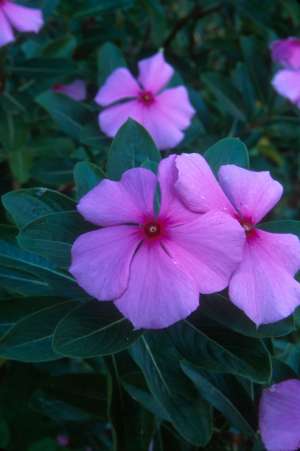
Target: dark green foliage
(72, 365)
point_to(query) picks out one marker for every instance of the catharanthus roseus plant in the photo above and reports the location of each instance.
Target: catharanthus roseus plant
(263, 285)
(164, 112)
(21, 18)
(153, 266)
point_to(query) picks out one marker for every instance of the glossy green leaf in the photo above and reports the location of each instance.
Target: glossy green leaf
(213, 348)
(158, 359)
(30, 340)
(86, 176)
(52, 236)
(131, 148)
(224, 394)
(227, 151)
(220, 309)
(68, 114)
(95, 328)
(24, 206)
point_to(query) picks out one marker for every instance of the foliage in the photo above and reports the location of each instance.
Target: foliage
(70, 364)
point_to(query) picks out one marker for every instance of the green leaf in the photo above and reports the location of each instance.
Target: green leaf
(225, 395)
(24, 206)
(13, 310)
(52, 236)
(95, 328)
(30, 340)
(131, 148)
(86, 177)
(220, 309)
(68, 114)
(84, 396)
(104, 6)
(109, 58)
(26, 273)
(213, 348)
(229, 101)
(20, 162)
(44, 68)
(227, 151)
(282, 226)
(158, 359)
(4, 434)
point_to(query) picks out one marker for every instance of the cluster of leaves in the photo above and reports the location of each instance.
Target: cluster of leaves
(67, 360)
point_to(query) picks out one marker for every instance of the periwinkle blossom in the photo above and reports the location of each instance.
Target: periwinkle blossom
(21, 18)
(63, 440)
(287, 81)
(152, 266)
(75, 90)
(279, 416)
(263, 285)
(163, 112)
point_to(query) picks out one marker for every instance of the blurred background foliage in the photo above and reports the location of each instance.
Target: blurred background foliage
(220, 49)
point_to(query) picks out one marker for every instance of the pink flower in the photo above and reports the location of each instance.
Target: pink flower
(163, 112)
(263, 285)
(19, 17)
(287, 52)
(76, 90)
(287, 83)
(279, 416)
(152, 266)
(63, 440)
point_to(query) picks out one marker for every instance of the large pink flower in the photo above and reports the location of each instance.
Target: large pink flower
(19, 17)
(163, 112)
(263, 285)
(152, 266)
(75, 90)
(279, 416)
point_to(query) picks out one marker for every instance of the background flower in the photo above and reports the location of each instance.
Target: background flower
(164, 112)
(19, 17)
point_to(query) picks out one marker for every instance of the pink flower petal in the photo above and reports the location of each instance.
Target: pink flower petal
(159, 291)
(128, 201)
(6, 33)
(119, 85)
(175, 105)
(155, 73)
(171, 208)
(287, 84)
(263, 286)
(112, 118)
(161, 127)
(23, 18)
(101, 260)
(279, 416)
(287, 52)
(75, 90)
(210, 249)
(197, 186)
(252, 193)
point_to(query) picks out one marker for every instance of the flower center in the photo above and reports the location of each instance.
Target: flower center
(152, 229)
(146, 97)
(248, 226)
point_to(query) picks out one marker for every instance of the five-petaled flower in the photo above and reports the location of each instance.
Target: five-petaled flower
(263, 285)
(279, 416)
(287, 81)
(164, 113)
(75, 90)
(153, 266)
(19, 17)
